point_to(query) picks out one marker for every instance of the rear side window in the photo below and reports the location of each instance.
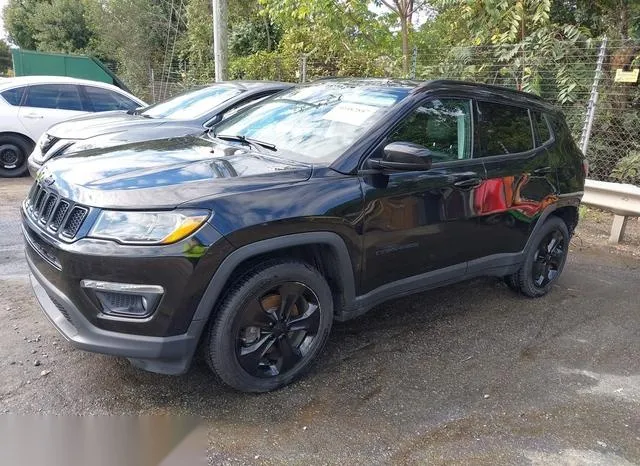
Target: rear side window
(542, 128)
(13, 96)
(503, 129)
(103, 100)
(58, 96)
(441, 125)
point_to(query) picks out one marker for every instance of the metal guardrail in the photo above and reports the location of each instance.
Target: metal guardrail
(621, 199)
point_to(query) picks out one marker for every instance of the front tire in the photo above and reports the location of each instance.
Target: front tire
(271, 326)
(14, 151)
(544, 260)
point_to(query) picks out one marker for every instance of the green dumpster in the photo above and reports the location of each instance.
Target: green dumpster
(30, 63)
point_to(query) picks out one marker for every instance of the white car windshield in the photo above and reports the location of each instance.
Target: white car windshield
(192, 105)
(314, 123)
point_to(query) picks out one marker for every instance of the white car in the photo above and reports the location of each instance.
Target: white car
(30, 105)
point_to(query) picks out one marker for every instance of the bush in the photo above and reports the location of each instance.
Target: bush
(627, 169)
(265, 65)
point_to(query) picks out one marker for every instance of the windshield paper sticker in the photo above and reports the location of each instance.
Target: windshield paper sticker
(350, 113)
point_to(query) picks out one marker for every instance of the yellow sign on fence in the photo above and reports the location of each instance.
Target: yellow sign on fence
(627, 76)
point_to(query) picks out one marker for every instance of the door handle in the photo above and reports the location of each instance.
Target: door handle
(542, 171)
(467, 183)
(34, 116)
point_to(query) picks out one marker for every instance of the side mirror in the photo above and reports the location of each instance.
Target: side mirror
(403, 156)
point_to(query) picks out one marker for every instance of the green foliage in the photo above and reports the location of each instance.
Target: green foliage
(5, 57)
(197, 43)
(514, 44)
(265, 65)
(18, 22)
(61, 26)
(253, 35)
(627, 169)
(134, 34)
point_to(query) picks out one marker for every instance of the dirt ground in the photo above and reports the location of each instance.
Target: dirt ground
(467, 374)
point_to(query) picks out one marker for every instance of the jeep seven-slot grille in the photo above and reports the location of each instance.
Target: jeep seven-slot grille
(54, 213)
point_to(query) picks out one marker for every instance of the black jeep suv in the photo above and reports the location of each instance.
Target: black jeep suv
(313, 206)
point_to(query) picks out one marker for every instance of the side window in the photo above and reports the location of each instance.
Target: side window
(103, 100)
(503, 129)
(441, 125)
(58, 96)
(542, 128)
(13, 96)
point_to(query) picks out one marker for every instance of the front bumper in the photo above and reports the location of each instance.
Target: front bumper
(163, 342)
(166, 355)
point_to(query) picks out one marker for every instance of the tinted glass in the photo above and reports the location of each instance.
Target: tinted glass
(59, 96)
(443, 126)
(13, 96)
(193, 104)
(542, 128)
(503, 129)
(104, 100)
(314, 123)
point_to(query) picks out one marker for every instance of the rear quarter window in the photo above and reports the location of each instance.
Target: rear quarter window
(543, 133)
(104, 100)
(503, 129)
(13, 96)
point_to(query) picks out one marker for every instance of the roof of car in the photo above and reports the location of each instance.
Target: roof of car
(22, 80)
(416, 86)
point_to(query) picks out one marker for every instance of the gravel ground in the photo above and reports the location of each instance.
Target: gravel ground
(469, 373)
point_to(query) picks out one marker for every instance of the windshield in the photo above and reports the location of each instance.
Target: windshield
(192, 105)
(314, 123)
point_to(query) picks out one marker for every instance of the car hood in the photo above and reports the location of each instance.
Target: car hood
(98, 124)
(166, 173)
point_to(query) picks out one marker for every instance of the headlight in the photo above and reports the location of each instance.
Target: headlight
(48, 147)
(147, 227)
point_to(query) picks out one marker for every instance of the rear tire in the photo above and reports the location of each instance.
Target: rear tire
(271, 326)
(14, 152)
(544, 261)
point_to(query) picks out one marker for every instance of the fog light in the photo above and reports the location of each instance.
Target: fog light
(124, 299)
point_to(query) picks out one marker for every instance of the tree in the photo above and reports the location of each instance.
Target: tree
(197, 43)
(18, 22)
(5, 57)
(618, 19)
(138, 36)
(404, 9)
(521, 38)
(61, 26)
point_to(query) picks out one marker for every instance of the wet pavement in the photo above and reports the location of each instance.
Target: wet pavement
(470, 373)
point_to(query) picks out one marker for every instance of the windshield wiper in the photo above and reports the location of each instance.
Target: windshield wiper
(246, 140)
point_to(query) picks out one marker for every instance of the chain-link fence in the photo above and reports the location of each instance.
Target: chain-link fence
(563, 76)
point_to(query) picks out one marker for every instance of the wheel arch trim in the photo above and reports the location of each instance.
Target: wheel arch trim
(20, 135)
(221, 276)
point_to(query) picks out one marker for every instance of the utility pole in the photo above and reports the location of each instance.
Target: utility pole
(220, 43)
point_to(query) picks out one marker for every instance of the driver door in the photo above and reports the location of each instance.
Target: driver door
(418, 222)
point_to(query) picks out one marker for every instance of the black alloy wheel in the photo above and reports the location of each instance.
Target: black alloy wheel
(548, 259)
(544, 260)
(277, 329)
(270, 327)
